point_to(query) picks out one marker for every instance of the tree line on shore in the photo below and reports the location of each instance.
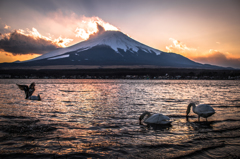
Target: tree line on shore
(121, 73)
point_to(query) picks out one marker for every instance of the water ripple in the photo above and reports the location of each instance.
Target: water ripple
(99, 119)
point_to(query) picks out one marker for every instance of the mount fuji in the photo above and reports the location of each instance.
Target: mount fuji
(113, 48)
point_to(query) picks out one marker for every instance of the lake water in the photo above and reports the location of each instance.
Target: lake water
(80, 118)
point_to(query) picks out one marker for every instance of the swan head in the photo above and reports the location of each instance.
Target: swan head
(32, 85)
(39, 98)
(143, 115)
(189, 107)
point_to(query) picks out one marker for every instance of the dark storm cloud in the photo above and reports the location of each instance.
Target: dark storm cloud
(17, 43)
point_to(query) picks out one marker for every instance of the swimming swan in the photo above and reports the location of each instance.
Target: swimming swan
(154, 119)
(34, 97)
(203, 110)
(29, 91)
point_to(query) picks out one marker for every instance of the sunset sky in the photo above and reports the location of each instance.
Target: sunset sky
(206, 31)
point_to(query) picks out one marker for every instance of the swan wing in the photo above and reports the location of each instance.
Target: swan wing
(157, 119)
(28, 90)
(25, 89)
(204, 110)
(22, 87)
(31, 89)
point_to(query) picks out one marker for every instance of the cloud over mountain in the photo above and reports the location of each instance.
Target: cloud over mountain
(100, 30)
(17, 43)
(178, 45)
(218, 58)
(20, 42)
(212, 56)
(28, 41)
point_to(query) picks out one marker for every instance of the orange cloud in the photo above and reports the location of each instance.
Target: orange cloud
(75, 26)
(218, 58)
(61, 42)
(213, 57)
(7, 27)
(91, 25)
(178, 46)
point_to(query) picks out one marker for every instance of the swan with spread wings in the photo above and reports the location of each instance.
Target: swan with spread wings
(29, 91)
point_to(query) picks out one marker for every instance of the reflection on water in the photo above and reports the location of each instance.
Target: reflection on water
(99, 119)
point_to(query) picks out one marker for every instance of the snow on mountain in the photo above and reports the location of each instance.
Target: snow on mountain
(59, 57)
(114, 39)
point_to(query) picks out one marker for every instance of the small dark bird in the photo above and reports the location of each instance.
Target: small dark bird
(28, 90)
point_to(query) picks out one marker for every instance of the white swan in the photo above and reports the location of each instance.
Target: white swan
(154, 119)
(203, 110)
(29, 91)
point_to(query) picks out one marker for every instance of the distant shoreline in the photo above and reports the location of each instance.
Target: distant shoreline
(115, 72)
(69, 67)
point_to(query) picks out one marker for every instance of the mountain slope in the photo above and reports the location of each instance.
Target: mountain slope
(112, 48)
(114, 39)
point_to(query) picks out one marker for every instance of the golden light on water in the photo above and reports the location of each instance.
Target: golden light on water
(101, 116)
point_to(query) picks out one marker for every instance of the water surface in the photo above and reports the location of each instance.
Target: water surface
(99, 119)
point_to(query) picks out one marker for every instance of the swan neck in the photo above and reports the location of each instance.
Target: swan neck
(144, 114)
(189, 108)
(193, 107)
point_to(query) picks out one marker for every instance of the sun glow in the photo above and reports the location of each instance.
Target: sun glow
(89, 26)
(8, 57)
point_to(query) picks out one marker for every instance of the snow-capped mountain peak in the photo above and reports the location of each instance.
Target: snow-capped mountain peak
(117, 40)
(114, 39)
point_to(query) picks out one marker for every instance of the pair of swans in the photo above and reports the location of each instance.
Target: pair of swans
(202, 110)
(29, 91)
